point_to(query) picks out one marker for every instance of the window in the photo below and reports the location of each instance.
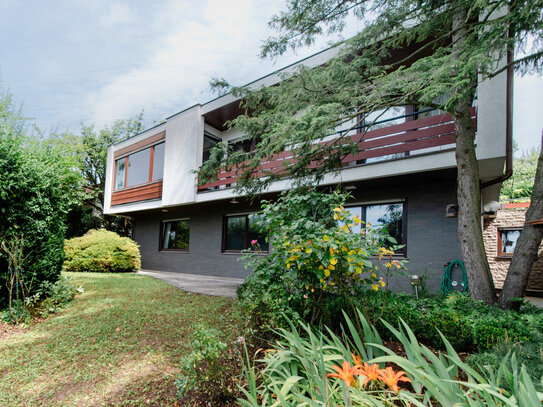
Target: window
(141, 167)
(175, 235)
(387, 216)
(209, 143)
(507, 240)
(241, 230)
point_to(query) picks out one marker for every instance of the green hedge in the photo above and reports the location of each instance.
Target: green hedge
(101, 251)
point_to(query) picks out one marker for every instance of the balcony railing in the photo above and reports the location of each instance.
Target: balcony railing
(413, 136)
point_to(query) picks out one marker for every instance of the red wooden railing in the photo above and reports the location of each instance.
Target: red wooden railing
(397, 139)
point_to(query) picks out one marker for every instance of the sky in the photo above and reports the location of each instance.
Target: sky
(97, 61)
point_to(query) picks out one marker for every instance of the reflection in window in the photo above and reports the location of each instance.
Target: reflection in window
(158, 162)
(138, 168)
(241, 230)
(508, 240)
(387, 217)
(209, 143)
(175, 235)
(119, 176)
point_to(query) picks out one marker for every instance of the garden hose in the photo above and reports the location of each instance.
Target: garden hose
(447, 284)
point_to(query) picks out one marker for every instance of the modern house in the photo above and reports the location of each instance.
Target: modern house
(405, 175)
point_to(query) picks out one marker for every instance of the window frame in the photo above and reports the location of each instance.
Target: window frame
(247, 244)
(403, 251)
(150, 172)
(500, 253)
(161, 235)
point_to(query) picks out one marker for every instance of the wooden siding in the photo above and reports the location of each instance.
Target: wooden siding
(140, 145)
(412, 135)
(136, 194)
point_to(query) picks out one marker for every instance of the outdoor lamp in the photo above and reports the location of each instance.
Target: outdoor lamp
(416, 280)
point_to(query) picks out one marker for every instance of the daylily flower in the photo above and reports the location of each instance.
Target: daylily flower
(345, 373)
(369, 372)
(391, 378)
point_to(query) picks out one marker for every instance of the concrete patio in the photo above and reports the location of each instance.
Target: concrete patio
(194, 283)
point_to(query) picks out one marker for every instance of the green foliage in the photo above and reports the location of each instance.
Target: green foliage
(37, 187)
(521, 183)
(101, 251)
(467, 324)
(57, 295)
(317, 259)
(371, 72)
(298, 372)
(528, 354)
(207, 367)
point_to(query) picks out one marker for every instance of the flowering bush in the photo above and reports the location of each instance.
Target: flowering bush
(316, 257)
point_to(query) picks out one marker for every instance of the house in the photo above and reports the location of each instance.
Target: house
(405, 177)
(500, 235)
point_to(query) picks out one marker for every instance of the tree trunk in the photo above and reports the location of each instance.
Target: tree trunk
(470, 233)
(527, 245)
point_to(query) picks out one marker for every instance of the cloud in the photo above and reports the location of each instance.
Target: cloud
(117, 14)
(220, 38)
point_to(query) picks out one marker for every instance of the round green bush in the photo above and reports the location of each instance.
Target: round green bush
(101, 251)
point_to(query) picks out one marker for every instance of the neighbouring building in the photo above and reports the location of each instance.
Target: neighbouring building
(500, 234)
(405, 176)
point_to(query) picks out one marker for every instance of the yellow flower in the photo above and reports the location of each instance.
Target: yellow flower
(331, 267)
(325, 238)
(338, 209)
(375, 287)
(326, 272)
(358, 270)
(308, 251)
(333, 261)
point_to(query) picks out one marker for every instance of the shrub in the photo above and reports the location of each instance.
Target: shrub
(317, 260)
(101, 251)
(208, 368)
(38, 184)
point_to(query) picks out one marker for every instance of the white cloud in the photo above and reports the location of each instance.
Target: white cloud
(117, 14)
(222, 41)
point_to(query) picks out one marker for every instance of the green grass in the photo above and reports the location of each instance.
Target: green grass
(118, 343)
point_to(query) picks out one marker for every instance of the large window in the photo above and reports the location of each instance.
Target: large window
(175, 234)
(390, 217)
(141, 167)
(241, 230)
(507, 240)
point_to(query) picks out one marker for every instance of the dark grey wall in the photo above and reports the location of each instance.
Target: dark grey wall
(431, 237)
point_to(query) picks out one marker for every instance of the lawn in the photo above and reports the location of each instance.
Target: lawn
(118, 343)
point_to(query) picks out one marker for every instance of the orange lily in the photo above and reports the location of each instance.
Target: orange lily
(345, 373)
(357, 360)
(369, 372)
(391, 378)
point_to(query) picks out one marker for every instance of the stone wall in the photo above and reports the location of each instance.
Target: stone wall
(499, 265)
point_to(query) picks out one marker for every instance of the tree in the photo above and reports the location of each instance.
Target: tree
(521, 184)
(527, 245)
(451, 43)
(91, 151)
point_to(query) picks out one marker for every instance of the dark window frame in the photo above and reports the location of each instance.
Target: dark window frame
(162, 231)
(151, 164)
(247, 244)
(500, 240)
(402, 252)
(212, 137)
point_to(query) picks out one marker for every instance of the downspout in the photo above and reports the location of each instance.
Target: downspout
(508, 124)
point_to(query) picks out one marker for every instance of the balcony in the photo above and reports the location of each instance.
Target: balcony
(378, 141)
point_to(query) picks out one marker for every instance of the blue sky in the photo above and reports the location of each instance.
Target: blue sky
(97, 61)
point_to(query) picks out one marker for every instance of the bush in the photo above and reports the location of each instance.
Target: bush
(317, 260)
(38, 184)
(467, 324)
(101, 251)
(209, 368)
